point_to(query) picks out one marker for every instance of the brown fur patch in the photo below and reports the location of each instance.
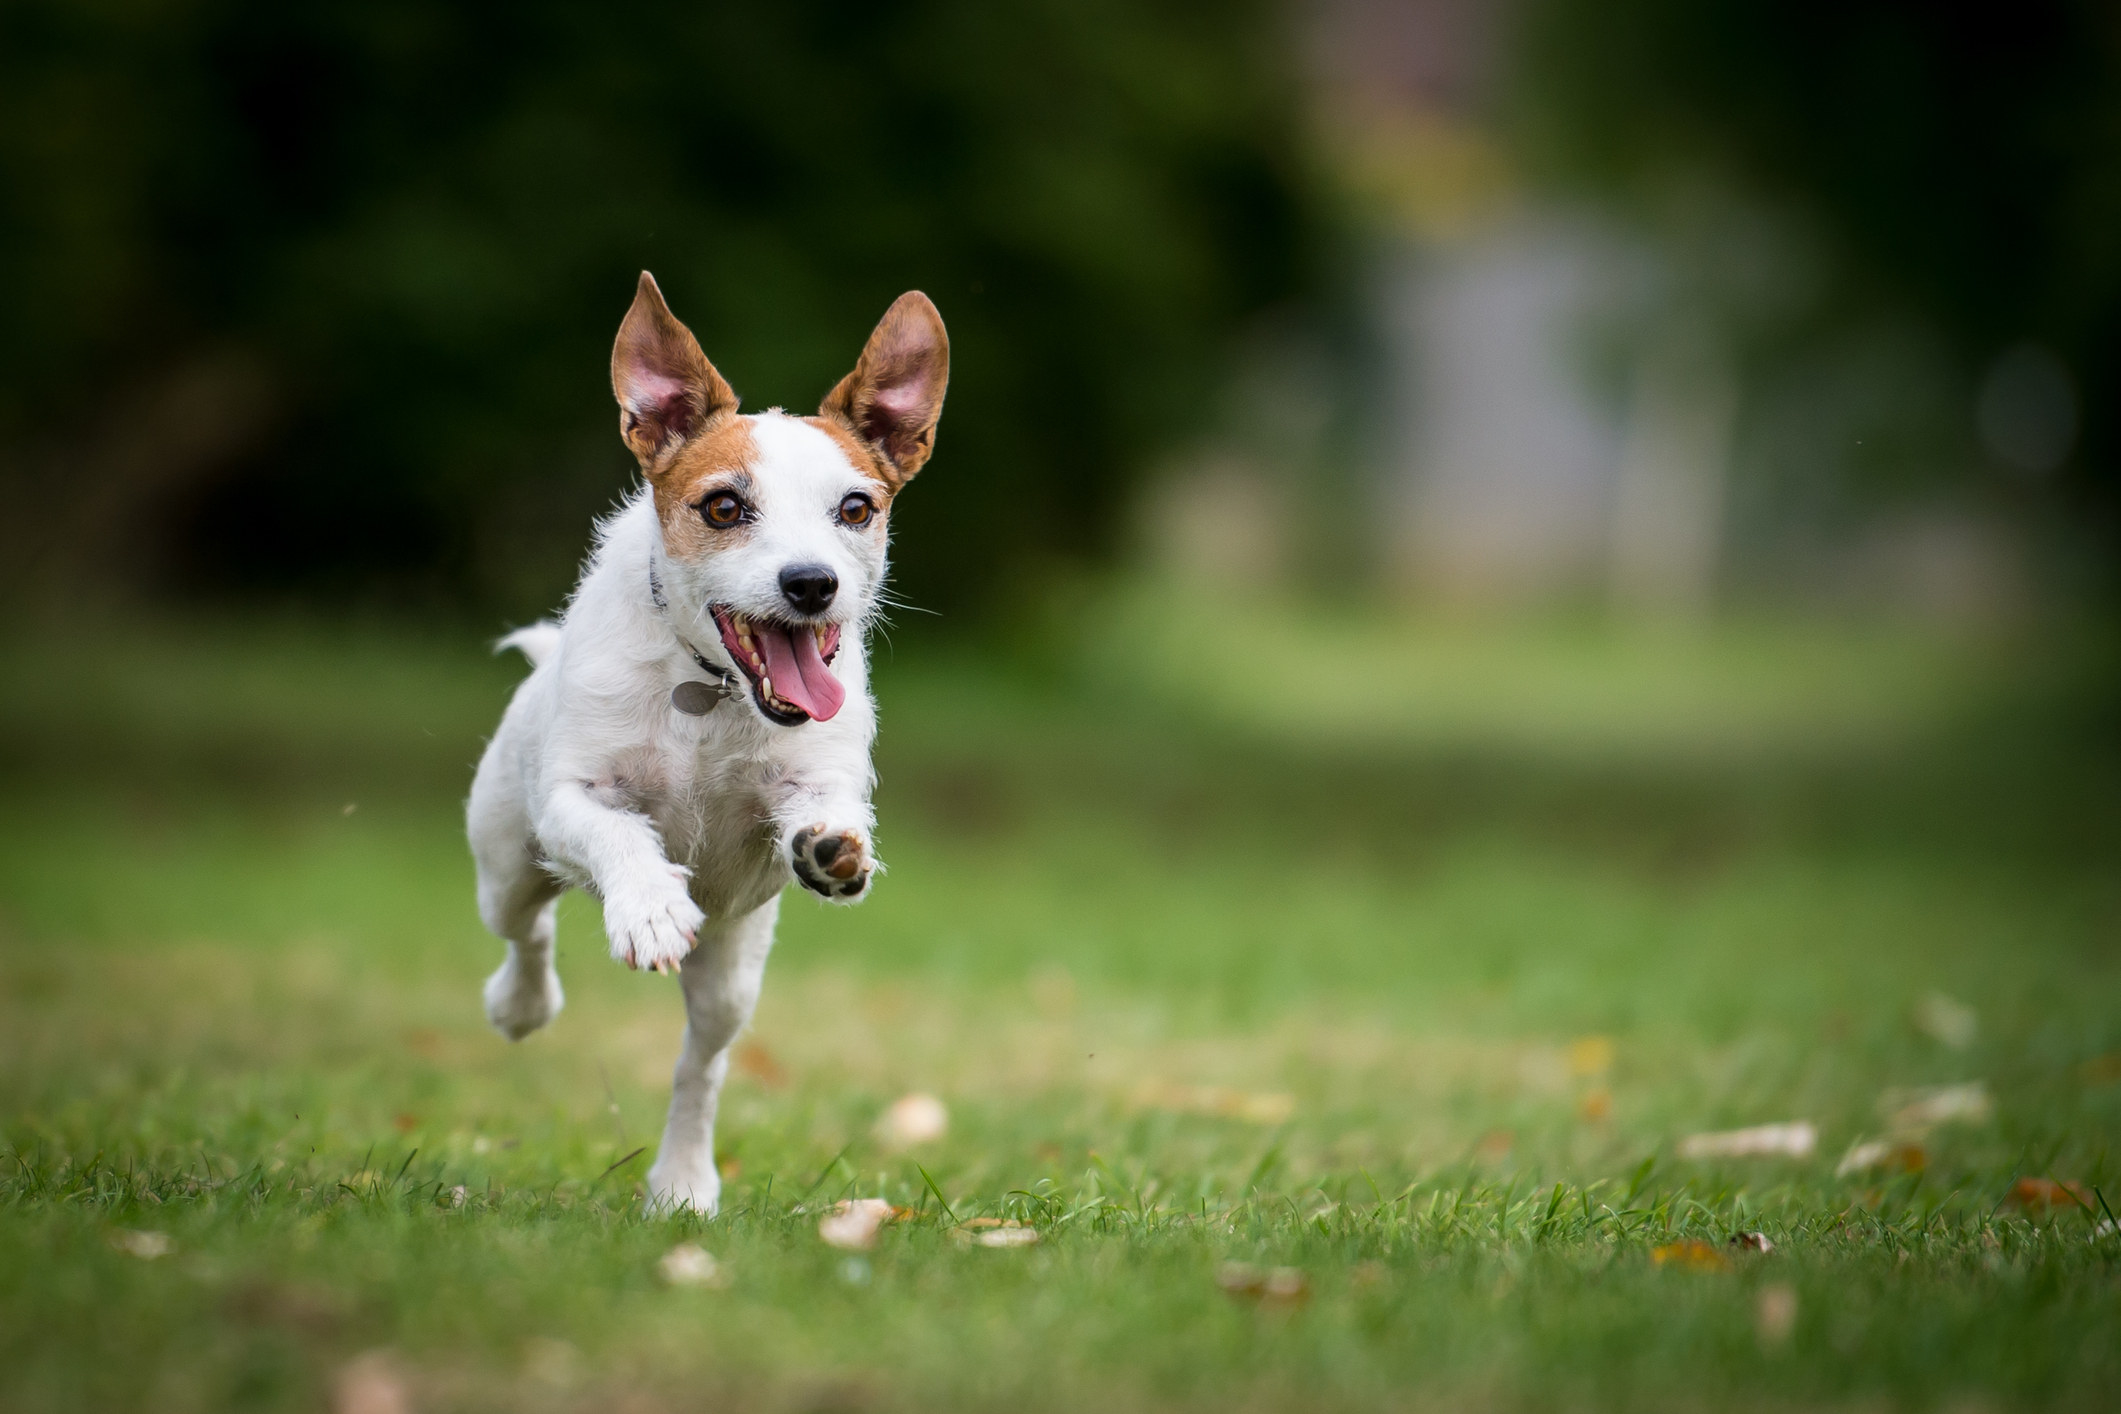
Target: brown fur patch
(863, 457)
(725, 450)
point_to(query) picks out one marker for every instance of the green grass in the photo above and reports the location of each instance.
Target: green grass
(1415, 994)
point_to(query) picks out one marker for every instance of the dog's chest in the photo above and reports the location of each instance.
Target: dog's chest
(714, 810)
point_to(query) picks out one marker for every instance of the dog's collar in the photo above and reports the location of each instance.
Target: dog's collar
(692, 697)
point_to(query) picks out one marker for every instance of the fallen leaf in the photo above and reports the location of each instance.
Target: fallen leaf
(1794, 1140)
(852, 1225)
(1914, 1111)
(1007, 1235)
(2040, 1195)
(1494, 1146)
(1266, 1107)
(1596, 1105)
(753, 1059)
(2103, 1070)
(1590, 1055)
(690, 1265)
(145, 1245)
(405, 1124)
(1692, 1254)
(1947, 1020)
(912, 1119)
(1882, 1153)
(729, 1168)
(1775, 1314)
(458, 1196)
(1282, 1286)
(370, 1384)
(1752, 1242)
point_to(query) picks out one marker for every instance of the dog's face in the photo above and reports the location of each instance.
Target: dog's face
(774, 525)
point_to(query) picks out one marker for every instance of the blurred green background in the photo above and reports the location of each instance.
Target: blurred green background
(1504, 587)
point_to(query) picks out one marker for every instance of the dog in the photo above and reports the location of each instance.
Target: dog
(696, 728)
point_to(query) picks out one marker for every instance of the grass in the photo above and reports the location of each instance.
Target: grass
(1416, 996)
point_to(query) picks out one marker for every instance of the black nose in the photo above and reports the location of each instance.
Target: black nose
(809, 587)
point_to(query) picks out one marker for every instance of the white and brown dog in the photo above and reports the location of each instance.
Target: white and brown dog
(696, 728)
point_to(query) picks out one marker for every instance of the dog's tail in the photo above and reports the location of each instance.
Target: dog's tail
(534, 641)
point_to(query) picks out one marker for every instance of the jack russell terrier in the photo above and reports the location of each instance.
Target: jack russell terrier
(695, 730)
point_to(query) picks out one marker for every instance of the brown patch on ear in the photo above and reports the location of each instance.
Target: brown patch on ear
(894, 396)
(667, 390)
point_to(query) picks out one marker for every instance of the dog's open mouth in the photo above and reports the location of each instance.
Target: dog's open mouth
(789, 665)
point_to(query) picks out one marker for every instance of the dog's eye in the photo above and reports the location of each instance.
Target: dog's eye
(722, 509)
(856, 510)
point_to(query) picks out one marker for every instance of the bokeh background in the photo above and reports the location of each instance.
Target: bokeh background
(1504, 583)
(1654, 304)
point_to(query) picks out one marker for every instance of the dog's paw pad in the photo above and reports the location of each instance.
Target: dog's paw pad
(831, 863)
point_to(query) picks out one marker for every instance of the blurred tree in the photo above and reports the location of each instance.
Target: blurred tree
(318, 298)
(1960, 164)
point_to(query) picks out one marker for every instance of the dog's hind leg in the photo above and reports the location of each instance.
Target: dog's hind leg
(721, 979)
(517, 900)
(524, 992)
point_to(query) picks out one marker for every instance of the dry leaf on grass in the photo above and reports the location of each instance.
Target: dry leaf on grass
(1269, 1286)
(145, 1245)
(1795, 1140)
(1947, 1020)
(690, 1265)
(1494, 1146)
(852, 1225)
(370, 1384)
(997, 1232)
(1596, 1105)
(1270, 1107)
(912, 1119)
(1691, 1254)
(1590, 1055)
(1752, 1242)
(1775, 1314)
(2040, 1195)
(753, 1059)
(1911, 1112)
(1881, 1154)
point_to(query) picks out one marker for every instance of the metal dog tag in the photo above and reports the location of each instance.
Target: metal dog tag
(697, 699)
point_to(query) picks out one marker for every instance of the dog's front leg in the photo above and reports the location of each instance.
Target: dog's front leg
(649, 915)
(824, 832)
(721, 981)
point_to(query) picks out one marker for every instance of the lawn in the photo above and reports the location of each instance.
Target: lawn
(1333, 997)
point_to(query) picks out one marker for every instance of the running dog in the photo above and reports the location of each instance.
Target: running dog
(695, 730)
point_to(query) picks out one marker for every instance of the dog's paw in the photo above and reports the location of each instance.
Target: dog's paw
(834, 864)
(654, 925)
(521, 999)
(677, 1184)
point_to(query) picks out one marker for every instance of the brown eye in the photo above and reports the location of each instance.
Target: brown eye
(722, 509)
(856, 510)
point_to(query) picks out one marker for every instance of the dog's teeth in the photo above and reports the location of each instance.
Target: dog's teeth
(766, 685)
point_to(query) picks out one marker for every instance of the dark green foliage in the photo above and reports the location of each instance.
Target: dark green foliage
(350, 271)
(1961, 164)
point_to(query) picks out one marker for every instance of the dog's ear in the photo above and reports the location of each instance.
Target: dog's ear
(895, 394)
(667, 390)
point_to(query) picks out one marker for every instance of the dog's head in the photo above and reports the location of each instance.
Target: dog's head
(774, 526)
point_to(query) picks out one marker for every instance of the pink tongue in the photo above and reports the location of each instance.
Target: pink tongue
(798, 671)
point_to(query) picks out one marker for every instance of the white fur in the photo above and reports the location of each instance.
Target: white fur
(683, 826)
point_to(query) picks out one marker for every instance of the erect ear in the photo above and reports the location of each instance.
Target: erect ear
(667, 390)
(895, 394)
